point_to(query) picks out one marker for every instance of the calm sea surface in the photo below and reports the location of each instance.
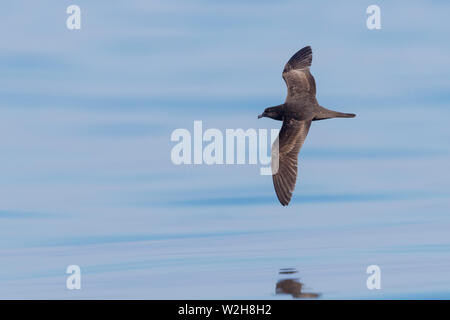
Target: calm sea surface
(86, 176)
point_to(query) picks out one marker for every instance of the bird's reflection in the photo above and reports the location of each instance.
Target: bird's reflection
(292, 286)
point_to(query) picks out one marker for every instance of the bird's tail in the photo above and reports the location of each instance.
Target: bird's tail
(324, 113)
(344, 115)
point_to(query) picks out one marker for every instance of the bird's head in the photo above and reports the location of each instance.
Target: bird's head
(272, 112)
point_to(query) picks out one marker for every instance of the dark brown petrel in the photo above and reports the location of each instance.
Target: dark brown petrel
(297, 112)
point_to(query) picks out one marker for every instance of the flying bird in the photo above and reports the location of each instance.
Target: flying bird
(297, 113)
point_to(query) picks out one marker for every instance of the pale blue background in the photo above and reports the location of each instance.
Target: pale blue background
(85, 170)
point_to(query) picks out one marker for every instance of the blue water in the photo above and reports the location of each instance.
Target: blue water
(86, 176)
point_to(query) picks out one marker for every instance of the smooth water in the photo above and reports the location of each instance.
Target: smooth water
(86, 176)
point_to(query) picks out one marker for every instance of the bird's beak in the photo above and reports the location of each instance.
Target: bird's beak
(261, 115)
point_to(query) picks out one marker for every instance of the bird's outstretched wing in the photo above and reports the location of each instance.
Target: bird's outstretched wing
(299, 80)
(285, 151)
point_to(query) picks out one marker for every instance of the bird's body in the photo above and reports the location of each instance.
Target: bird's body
(297, 113)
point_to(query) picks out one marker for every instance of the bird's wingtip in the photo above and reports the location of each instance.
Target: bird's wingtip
(301, 59)
(284, 203)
